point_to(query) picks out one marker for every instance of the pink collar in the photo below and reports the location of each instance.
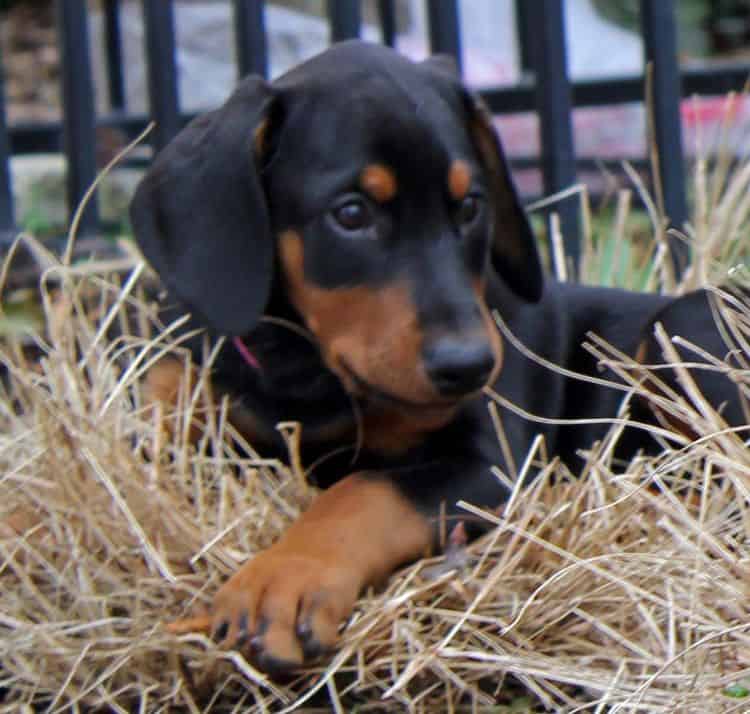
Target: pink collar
(247, 355)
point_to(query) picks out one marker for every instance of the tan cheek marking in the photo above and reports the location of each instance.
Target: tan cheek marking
(369, 329)
(459, 179)
(291, 253)
(376, 333)
(346, 320)
(379, 182)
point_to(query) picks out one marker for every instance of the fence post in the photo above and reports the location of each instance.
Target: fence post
(554, 106)
(525, 30)
(7, 214)
(78, 109)
(387, 15)
(250, 37)
(158, 19)
(113, 41)
(345, 18)
(445, 28)
(660, 42)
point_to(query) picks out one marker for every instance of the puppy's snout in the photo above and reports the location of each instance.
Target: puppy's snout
(458, 366)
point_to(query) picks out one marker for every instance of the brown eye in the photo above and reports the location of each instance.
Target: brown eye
(468, 210)
(354, 215)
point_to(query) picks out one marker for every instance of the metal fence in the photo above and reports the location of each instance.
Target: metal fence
(544, 87)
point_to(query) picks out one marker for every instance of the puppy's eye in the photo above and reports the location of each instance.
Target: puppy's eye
(354, 215)
(469, 210)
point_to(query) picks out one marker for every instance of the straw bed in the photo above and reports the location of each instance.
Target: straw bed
(596, 591)
(624, 588)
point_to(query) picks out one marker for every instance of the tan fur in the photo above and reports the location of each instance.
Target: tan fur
(353, 535)
(260, 136)
(169, 384)
(379, 182)
(372, 332)
(459, 180)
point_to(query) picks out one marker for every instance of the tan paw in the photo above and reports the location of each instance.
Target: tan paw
(284, 608)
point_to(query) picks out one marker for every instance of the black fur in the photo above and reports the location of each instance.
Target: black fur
(211, 210)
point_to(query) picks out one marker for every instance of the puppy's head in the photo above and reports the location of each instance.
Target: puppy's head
(378, 190)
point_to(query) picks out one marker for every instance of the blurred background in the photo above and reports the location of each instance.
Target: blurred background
(603, 40)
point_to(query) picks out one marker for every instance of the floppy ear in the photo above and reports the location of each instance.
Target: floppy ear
(514, 251)
(200, 215)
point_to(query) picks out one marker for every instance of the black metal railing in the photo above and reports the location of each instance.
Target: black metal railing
(544, 87)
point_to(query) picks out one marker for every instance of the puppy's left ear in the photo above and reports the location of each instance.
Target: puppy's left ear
(200, 215)
(514, 250)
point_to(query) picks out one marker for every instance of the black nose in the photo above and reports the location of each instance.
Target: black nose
(457, 367)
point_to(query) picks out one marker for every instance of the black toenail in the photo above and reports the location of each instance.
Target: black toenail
(304, 630)
(243, 631)
(220, 633)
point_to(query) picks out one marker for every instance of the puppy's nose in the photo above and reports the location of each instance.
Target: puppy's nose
(457, 367)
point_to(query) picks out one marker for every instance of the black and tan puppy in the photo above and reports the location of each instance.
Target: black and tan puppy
(366, 199)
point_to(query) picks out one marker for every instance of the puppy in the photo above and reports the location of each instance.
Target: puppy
(351, 227)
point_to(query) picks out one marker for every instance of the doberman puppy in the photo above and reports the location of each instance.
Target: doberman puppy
(350, 227)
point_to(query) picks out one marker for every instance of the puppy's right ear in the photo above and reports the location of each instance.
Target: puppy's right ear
(200, 214)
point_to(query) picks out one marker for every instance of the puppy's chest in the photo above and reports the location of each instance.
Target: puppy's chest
(327, 444)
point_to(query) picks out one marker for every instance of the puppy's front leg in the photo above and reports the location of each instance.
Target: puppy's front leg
(286, 605)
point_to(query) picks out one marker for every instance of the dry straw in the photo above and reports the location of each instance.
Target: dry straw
(598, 592)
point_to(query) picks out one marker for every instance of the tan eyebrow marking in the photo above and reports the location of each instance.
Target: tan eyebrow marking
(379, 181)
(459, 179)
(259, 139)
